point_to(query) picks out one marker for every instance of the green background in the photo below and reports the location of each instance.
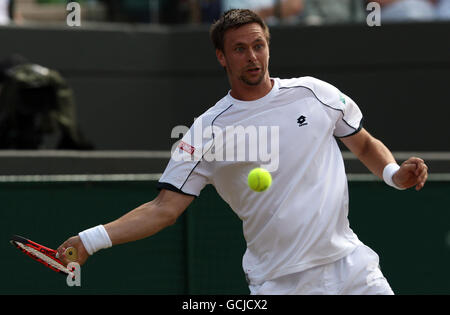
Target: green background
(202, 252)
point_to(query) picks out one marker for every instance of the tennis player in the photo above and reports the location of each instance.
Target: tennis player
(298, 236)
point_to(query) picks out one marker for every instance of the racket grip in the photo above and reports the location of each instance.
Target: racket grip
(70, 253)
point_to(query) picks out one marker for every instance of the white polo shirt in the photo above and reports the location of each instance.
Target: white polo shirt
(301, 221)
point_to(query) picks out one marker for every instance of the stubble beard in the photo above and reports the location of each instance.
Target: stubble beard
(253, 83)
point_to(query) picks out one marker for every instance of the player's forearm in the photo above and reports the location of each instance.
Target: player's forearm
(144, 221)
(375, 156)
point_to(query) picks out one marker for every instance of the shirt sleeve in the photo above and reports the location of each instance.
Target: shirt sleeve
(350, 121)
(187, 172)
(349, 116)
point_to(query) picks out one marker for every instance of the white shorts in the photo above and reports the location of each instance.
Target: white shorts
(356, 274)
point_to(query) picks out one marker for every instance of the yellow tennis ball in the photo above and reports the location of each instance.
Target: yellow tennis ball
(259, 179)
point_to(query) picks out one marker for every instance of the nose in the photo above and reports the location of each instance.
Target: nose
(251, 55)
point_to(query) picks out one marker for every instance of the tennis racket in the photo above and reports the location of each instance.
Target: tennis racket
(45, 255)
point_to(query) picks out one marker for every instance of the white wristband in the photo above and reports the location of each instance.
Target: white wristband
(388, 172)
(95, 239)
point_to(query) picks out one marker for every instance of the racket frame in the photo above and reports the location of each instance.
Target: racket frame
(34, 250)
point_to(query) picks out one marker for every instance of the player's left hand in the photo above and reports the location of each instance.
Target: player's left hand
(412, 172)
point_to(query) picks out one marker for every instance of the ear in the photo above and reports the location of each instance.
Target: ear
(221, 58)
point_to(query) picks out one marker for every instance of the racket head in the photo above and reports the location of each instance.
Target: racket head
(40, 253)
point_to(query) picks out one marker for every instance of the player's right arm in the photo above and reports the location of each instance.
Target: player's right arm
(149, 218)
(144, 221)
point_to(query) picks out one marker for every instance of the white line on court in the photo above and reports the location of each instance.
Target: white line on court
(154, 177)
(80, 178)
(85, 154)
(404, 155)
(400, 155)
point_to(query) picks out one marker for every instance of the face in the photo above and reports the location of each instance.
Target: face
(245, 55)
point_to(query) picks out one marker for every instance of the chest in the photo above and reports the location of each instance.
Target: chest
(296, 125)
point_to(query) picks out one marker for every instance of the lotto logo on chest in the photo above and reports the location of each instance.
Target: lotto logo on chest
(302, 121)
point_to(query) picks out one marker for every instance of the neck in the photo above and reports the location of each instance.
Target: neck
(245, 92)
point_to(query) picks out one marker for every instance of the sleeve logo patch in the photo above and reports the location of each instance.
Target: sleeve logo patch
(186, 147)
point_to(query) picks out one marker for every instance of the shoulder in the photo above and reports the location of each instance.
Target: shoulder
(323, 91)
(304, 81)
(210, 115)
(219, 107)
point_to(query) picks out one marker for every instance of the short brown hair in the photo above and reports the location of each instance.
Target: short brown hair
(234, 18)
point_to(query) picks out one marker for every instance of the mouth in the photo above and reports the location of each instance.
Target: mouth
(253, 70)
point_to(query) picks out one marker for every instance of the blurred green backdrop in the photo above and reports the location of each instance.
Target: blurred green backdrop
(202, 252)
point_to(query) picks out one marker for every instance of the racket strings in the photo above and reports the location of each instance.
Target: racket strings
(44, 258)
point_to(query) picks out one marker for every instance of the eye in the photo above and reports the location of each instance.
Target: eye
(239, 49)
